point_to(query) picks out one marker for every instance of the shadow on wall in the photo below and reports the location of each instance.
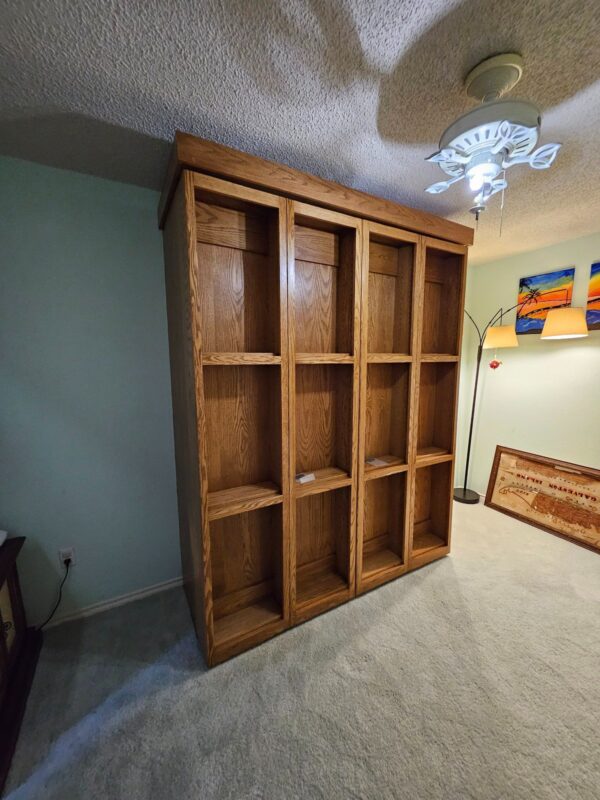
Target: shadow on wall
(83, 144)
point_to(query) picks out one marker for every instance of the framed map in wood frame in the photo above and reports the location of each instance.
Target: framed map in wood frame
(556, 496)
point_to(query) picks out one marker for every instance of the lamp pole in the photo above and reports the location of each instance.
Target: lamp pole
(463, 494)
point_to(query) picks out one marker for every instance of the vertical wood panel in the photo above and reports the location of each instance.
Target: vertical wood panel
(186, 388)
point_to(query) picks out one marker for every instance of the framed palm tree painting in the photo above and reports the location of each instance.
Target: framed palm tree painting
(593, 301)
(538, 294)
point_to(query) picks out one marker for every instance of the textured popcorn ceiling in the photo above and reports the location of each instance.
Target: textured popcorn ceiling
(357, 91)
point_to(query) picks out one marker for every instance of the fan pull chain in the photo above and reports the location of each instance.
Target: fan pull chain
(502, 203)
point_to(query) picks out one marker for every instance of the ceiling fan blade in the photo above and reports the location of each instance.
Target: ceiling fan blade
(543, 157)
(504, 133)
(447, 154)
(489, 190)
(437, 188)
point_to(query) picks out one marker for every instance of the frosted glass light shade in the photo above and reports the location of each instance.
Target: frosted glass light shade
(565, 323)
(500, 336)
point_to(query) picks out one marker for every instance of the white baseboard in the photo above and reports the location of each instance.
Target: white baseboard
(114, 602)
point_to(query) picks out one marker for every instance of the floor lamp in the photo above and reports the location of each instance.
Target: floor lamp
(492, 337)
(561, 323)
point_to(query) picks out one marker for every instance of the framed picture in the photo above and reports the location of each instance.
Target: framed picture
(538, 294)
(593, 301)
(556, 496)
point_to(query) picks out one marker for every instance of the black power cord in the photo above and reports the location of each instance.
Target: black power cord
(67, 563)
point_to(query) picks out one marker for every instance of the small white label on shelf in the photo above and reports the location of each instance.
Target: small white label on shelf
(377, 462)
(305, 477)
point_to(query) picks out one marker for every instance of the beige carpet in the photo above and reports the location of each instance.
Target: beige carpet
(476, 677)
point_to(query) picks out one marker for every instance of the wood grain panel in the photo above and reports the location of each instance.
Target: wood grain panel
(235, 314)
(226, 162)
(323, 295)
(245, 552)
(243, 426)
(227, 502)
(433, 489)
(441, 313)
(317, 246)
(437, 390)
(238, 263)
(232, 227)
(233, 359)
(390, 297)
(179, 239)
(384, 501)
(315, 306)
(323, 411)
(322, 525)
(386, 410)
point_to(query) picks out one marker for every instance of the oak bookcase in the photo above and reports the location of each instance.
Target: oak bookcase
(314, 337)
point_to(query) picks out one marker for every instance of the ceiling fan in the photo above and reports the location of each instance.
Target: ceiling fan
(483, 143)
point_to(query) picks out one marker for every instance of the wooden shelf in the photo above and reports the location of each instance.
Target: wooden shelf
(425, 541)
(324, 358)
(438, 358)
(432, 455)
(437, 394)
(442, 308)
(323, 414)
(238, 293)
(325, 479)
(387, 411)
(383, 528)
(246, 552)
(318, 581)
(324, 258)
(390, 288)
(247, 620)
(433, 492)
(392, 465)
(239, 359)
(388, 358)
(228, 502)
(322, 534)
(243, 431)
(380, 561)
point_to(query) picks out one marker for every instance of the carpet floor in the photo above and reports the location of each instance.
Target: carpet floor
(476, 677)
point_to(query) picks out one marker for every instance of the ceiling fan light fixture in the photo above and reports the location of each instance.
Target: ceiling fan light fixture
(493, 137)
(483, 169)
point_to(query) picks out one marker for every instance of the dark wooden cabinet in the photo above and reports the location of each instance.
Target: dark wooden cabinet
(314, 361)
(19, 650)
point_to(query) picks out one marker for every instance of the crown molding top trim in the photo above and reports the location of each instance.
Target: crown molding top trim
(202, 155)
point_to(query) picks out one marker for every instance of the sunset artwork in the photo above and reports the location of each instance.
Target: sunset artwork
(593, 301)
(541, 293)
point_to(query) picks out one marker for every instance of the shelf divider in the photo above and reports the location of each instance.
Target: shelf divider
(393, 466)
(424, 542)
(324, 358)
(227, 502)
(389, 358)
(326, 479)
(439, 358)
(246, 620)
(239, 359)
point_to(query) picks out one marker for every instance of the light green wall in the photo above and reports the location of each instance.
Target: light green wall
(85, 411)
(545, 398)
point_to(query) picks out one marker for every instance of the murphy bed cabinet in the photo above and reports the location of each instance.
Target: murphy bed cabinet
(314, 337)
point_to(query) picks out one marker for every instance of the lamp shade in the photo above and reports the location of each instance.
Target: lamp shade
(500, 336)
(565, 323)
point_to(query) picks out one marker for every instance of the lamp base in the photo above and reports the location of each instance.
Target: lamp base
(466, 496)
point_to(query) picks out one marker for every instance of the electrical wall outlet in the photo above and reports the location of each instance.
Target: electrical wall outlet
(67, 553)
